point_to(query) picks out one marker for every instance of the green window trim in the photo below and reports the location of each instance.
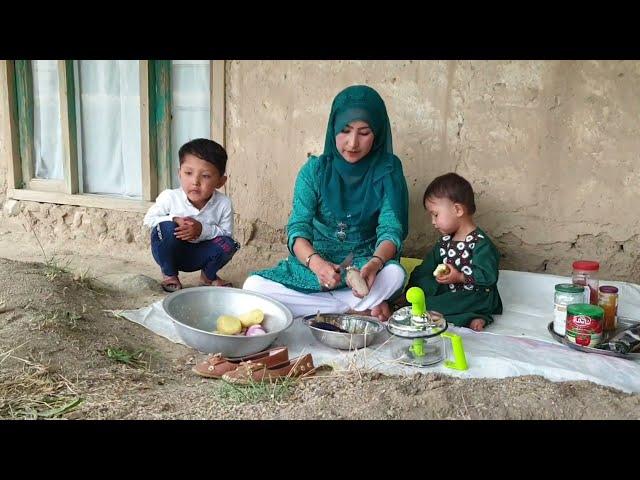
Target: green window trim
(160, 120)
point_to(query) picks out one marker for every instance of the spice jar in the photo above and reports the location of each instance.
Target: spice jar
(566, 294)
(608, 300)
(585, 273)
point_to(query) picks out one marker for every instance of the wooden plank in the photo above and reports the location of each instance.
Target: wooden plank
(149, 170)
(47, 185)
(160, 84)
(218, 101)
(68, 124)
(81, 200)
(10, 129)
(24, 102)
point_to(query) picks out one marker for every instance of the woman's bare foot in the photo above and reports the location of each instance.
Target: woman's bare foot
(382, 312)
(218, 282)
(477, 324)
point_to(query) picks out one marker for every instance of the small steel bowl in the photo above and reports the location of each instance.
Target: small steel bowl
(362, 330)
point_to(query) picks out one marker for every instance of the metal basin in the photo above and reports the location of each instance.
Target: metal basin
(194, 312)
(362, 330)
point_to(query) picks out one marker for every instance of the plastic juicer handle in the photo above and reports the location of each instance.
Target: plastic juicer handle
(459, 358)
(415, 296)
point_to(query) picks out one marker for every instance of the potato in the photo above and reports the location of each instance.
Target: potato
(357, 282)
(229, 325)
(441, 269)
(254, 317)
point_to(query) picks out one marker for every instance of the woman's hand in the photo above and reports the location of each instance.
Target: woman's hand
(454, 276)
(368, 273)
(328, 273)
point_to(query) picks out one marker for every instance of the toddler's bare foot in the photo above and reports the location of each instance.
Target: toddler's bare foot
(382, 311)
(477, 324)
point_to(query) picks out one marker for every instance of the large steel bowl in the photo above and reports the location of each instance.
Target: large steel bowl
(195, 311)
(362, 330)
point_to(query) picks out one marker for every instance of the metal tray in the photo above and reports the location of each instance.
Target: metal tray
(623, 323)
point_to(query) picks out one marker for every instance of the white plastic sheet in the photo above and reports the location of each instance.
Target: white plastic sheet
(516, 344)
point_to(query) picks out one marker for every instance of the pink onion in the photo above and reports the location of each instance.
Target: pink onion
(254, 330)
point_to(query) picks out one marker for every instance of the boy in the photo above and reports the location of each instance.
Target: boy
(465, 292)
(192, 226)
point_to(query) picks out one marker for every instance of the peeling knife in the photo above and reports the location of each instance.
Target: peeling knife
(347, 262)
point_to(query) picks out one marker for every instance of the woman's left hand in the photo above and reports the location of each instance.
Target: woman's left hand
(368, 273)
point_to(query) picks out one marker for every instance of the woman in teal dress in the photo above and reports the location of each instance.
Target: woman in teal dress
(352, 199)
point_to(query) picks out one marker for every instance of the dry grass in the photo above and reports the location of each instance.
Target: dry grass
(34, 392)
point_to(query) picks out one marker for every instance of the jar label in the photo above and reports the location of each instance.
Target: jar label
(584, 330)
(559, 318)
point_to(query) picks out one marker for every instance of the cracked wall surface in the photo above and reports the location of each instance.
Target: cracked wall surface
(552, 149)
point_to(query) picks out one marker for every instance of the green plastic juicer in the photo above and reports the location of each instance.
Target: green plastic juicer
(427, 329)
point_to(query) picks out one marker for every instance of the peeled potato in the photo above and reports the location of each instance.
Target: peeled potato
(229, 325)
(254, 317)
(441, 269)
(357, 282)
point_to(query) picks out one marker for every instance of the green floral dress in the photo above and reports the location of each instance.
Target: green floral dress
(332, 238)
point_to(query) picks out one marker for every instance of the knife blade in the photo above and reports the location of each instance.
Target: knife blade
(346, 262)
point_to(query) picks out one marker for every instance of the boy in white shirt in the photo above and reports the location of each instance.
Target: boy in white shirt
(192, 226)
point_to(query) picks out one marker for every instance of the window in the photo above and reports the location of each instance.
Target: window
(109, 134)
(47, 127)
(106, 133)
(190, 106)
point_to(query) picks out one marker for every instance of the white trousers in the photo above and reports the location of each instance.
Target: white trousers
(390, 279)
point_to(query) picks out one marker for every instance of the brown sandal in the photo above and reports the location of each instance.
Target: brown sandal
(216, 365)
(171, 285)
(256, 372)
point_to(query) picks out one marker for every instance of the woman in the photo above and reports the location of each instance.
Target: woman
(352, 199)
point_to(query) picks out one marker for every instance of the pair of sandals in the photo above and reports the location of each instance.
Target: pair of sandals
(171, 285)
(266, 366)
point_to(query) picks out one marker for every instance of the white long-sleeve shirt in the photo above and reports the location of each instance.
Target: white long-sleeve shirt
(216, 216)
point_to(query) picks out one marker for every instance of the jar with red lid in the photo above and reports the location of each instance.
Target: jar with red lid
(585, 272)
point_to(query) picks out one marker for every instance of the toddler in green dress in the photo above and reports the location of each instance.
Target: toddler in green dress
(459, 275)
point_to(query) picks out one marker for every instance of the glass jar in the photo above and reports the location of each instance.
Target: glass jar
(566, 294)
(585, 273)
(608, 300)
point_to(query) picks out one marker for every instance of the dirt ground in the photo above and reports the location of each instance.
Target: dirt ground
(65, 353)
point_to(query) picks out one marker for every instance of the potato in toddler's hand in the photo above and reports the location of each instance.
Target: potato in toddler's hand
(440, 270)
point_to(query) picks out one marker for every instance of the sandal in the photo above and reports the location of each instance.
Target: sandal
(252, 372)
(171, 285)
(216, 365)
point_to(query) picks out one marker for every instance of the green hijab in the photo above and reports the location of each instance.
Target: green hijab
(356, 189)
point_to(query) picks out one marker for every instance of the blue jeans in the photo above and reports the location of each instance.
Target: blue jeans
(173, 254)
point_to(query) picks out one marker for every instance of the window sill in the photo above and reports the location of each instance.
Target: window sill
(81, 200)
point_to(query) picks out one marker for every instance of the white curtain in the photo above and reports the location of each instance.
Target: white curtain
(109, 134)
(191, 106)
(47, 128)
